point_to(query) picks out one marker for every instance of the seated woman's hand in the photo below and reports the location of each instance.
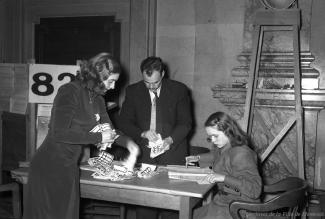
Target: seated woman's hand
(214, 178)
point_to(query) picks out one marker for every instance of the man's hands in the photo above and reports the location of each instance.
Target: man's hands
(167, 142)
(157, 145)
(150, 135)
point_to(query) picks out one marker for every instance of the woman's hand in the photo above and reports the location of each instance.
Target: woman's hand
(214, 177)
(133, 148)
(108, 136)
(132, 158)
(103, 146)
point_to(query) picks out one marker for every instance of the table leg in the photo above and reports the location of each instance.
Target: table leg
(186, 207)
(208, 199)
(24, 196)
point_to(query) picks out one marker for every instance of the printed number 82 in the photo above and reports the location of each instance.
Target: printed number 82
(44, 79)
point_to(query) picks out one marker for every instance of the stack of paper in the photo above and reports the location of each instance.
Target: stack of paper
(187, 173)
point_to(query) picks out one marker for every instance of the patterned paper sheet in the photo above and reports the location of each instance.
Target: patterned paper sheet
(157, 147)
(104, 168)
(147, 171)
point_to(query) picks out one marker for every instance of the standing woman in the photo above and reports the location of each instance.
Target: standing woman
(234, 165)
(53, 182)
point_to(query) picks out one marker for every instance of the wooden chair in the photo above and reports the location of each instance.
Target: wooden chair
(16, 202)
(288, 198)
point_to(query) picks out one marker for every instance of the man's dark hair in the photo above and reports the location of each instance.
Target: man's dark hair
(150, 64)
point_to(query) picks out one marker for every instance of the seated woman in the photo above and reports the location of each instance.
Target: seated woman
(234, 165)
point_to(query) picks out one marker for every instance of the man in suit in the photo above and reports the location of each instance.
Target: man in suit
(173, 114)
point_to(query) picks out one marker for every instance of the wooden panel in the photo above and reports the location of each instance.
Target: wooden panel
(278, 17)
(13, 141)
(319, 182)
(7, 79)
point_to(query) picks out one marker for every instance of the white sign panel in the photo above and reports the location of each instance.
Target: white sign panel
(44, 81)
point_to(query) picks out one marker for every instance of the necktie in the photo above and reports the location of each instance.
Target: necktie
(153, 118)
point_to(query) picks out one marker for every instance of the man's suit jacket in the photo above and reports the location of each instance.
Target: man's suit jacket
(173, 117)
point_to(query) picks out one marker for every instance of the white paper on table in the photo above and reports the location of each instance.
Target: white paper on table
(147, 170)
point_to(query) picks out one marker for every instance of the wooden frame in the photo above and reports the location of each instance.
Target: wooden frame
(273, 20)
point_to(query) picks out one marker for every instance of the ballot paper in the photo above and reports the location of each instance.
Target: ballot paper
(147, 171)
(114, 174)
(157, 147)
(101, 128)
(103, 163)
(104, 168)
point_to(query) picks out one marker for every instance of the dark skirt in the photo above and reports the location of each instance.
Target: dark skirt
(212, 211)
(53, 184)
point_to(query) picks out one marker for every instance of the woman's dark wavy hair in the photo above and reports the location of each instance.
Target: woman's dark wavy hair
(90, 73)
(223, 122)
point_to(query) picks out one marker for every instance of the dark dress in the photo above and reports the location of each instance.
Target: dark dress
(242, 181)
(53, 184)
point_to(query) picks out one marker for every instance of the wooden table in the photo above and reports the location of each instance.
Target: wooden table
(158, 191)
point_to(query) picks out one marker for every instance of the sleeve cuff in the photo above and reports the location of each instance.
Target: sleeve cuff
(170, 139)
(96, 137)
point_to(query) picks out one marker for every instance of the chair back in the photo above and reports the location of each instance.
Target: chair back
(289, 193)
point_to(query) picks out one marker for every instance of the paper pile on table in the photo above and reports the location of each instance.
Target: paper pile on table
(105, 169)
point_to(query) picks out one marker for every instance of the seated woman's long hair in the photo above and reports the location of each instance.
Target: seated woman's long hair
(225, 123)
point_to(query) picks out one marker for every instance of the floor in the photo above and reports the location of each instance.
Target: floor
(98, 210)
(5, 205)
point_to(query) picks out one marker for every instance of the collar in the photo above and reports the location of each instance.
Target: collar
(152, 95)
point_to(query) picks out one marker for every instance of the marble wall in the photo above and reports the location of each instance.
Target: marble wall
(283, 161)
(199, 40)
(317, 42)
